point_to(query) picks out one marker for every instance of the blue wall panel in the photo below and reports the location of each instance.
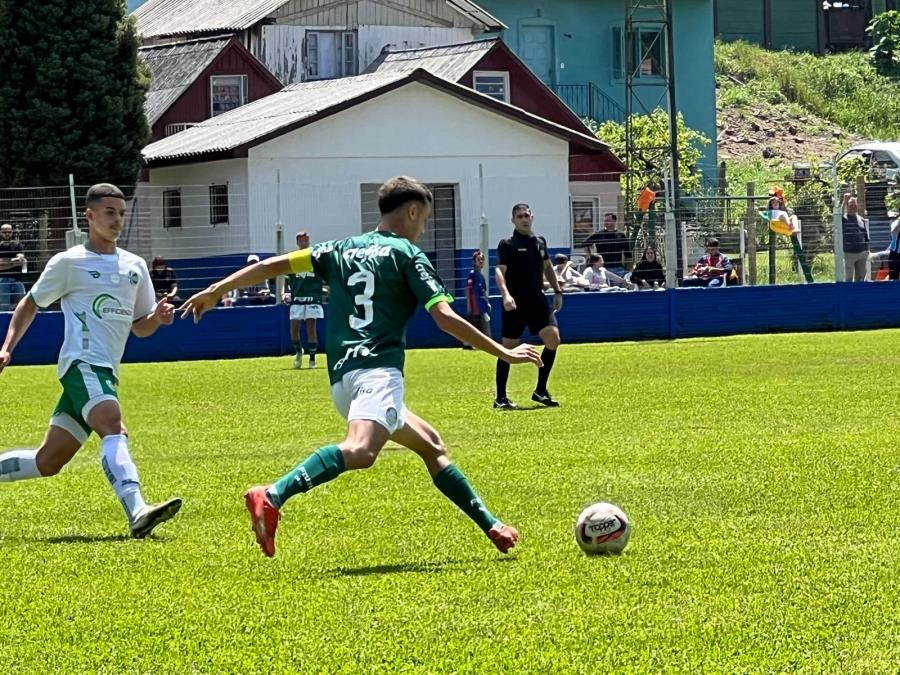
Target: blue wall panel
(586, 317)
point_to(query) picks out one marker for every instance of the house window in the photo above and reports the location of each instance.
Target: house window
(493, 83)
(226, 92)
(585, 218)
(171, 208)
(218, 204)
(649, 53)
(178, 127)
(330, 54)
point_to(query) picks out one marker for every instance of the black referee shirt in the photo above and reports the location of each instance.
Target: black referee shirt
(524, 259)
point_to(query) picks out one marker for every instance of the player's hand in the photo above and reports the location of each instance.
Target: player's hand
(508, 303)
(164, 312)
(200, 303)
(557, 302)
(5, 358)
(523, 354)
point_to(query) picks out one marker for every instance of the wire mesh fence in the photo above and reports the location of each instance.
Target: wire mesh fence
(192, 234)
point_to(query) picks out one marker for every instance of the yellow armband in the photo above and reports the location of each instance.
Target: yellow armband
(301, 261)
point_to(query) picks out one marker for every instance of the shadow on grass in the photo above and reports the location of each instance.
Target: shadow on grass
(81, 538)
(433, 567)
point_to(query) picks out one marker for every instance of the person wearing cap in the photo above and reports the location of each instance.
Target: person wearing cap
(165, 281)
(257, 294)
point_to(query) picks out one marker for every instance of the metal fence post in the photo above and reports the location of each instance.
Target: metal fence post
(837, 221)
(279, 234)
(751, 232)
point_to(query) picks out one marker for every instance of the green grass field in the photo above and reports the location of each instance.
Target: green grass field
(761, 475)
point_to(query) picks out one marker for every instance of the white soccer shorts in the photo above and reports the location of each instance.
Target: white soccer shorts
(300, 312)
(374, 394)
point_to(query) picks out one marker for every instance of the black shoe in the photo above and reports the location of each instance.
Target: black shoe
(545, 399)
(504, 404)
(151, 516)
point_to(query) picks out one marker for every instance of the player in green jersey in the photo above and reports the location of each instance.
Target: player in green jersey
(305, 292)
(376, 281)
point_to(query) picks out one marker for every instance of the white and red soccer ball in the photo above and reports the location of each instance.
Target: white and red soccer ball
(602, 528)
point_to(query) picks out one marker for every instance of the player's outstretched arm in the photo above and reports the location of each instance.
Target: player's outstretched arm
(452, 323)
(198, 304)
(21, 320)
(162, 315)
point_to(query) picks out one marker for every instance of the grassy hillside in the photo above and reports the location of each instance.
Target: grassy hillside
(842, 88)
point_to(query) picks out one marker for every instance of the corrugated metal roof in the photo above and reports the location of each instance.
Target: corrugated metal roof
(157, 18)
(305, 102)
(254, 120)
(477, 13)
(173, 68)
(449, 61)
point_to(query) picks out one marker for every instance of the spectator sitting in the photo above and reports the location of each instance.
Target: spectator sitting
(258, 294)
(165, 281)
(712, 269)
(648, 273)
(12, 266)
(601, 279)
(569, 278)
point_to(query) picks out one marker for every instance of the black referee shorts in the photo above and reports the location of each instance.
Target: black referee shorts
(534, 313)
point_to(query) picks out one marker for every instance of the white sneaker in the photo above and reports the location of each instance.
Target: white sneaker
(312, 363)
(151, 516)
(298, 361)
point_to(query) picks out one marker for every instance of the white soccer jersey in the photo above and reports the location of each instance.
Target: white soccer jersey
(102, 295)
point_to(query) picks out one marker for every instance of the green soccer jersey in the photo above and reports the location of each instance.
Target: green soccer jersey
(376, 281)
(306, 288)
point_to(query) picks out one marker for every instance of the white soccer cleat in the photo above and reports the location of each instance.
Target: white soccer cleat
(312, 363)
(298, 361)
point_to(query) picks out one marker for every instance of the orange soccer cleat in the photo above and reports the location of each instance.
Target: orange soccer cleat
(264, 516)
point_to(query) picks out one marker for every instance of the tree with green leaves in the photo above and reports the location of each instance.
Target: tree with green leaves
(649, 165)
(71, 93)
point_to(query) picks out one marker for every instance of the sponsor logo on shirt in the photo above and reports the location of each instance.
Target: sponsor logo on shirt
(367, 253)
(359, 351)
(95, 274)
(105, 305)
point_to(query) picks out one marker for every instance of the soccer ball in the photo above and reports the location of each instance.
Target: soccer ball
(602, 528)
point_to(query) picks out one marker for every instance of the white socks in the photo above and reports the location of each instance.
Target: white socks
(122, 473)
(18, 465)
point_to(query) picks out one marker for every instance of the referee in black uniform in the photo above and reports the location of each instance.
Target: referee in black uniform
(522, 266)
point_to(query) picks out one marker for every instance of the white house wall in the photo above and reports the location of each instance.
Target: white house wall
(422, 132)
(197, 238)
(373, 38)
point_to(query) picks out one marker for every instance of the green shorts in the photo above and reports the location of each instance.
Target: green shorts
(84, 386)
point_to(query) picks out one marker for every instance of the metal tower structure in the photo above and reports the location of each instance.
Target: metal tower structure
(649, 68)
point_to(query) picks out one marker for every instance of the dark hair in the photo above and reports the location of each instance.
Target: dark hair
(401, 190)
(96, 193)
(610, 215)
(476, 254)
(594, 258)
(521, 206)
(560, 258)
(712, 241)
(647, 250)
(158, 260)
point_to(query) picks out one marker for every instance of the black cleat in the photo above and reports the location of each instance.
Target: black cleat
(151, 516)
(545, 399)
(504, 404)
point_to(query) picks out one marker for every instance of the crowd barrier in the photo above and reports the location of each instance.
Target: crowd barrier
(241, 332)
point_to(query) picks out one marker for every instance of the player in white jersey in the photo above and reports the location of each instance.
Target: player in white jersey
(106, 293)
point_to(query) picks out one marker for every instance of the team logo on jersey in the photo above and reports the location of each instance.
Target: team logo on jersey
(391, 416)
(105, 305)
(133, 278)
(95, 274)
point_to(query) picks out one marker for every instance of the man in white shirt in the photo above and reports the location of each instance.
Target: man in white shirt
(106, 293)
